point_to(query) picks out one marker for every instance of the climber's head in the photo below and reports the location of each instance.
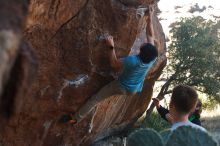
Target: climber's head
(148, 52)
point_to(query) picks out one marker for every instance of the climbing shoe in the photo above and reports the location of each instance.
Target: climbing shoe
(73, 121)
(68, 118)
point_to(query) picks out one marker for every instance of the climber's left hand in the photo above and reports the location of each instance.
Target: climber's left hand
(110, 41)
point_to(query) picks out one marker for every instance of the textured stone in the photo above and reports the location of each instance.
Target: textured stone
(10, 35)
(13, 51)
(17, 68)
(67, 37)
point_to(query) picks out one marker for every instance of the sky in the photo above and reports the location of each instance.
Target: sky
(172, 10)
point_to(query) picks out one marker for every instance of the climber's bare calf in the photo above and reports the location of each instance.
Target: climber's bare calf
(134, 69)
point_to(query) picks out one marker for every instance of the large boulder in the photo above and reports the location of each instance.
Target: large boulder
(68, 39)
(17, 68)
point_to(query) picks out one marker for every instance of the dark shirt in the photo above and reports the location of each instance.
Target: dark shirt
(194, 118)
(163, 111)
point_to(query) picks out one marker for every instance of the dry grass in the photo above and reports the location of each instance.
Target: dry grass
(211, 121)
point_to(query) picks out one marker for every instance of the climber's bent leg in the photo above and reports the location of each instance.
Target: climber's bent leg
(110, 89)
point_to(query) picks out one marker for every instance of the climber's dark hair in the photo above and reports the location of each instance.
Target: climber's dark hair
(148, 52)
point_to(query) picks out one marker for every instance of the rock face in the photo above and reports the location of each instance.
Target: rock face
(17, 67)
(16, 57)
(68, 39)
(10, 36)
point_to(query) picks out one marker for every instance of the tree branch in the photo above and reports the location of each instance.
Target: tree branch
(161, 94)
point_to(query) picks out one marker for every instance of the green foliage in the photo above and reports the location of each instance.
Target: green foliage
(209, 104)
(188, 136)
(155, 122)
(194, 55)
(144, 137)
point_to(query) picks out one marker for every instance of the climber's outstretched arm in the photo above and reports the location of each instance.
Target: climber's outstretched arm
(150, 30)
(114, 61)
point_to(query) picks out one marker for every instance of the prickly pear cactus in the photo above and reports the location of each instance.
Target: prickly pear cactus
(182, 136)
(188, 136)
(165, 134)
(112, 141)
(144, 137)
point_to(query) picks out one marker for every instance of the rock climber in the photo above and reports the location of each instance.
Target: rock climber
(134, 69)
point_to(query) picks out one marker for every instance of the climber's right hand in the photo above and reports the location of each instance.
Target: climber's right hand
(109, 41)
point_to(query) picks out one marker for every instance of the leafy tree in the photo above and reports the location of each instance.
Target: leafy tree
(194, 57)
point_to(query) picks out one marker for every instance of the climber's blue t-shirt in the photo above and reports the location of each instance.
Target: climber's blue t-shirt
(133, 74)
